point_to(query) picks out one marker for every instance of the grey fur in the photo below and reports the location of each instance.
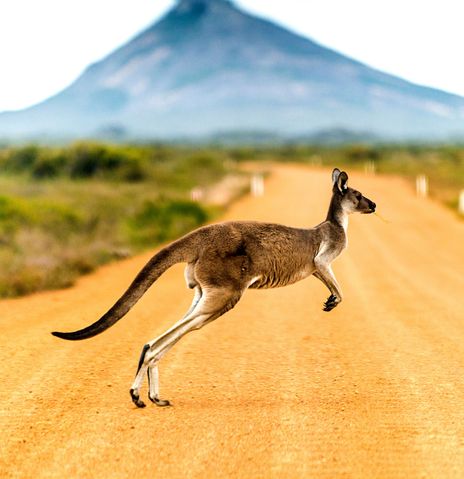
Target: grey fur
(224, 260)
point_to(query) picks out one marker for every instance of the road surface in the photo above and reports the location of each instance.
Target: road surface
(276, 388)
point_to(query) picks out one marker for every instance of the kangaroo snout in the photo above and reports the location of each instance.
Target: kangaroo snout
(366, 206)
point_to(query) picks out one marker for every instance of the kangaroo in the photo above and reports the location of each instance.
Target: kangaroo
(224, 260)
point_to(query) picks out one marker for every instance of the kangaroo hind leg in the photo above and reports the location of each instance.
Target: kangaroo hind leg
(142, 367)
(153, 386)
(152, 371)
(212, 304)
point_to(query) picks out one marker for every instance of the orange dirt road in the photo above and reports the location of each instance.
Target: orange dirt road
(276, 388)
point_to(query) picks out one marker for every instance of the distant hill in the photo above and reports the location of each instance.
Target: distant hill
(208, 67)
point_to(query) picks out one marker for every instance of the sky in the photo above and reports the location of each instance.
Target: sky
(46, 44)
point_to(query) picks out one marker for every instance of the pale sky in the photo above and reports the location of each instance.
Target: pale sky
(46, 44)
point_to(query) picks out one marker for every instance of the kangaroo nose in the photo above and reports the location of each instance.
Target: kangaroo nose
(373, 205)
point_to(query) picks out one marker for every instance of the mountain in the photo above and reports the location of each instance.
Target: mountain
(209, 67)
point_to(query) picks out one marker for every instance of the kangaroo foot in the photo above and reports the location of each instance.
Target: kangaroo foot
(136, 399)
(159, 402)
(331, 303)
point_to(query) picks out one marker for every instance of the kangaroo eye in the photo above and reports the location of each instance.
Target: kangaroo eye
(359, 197)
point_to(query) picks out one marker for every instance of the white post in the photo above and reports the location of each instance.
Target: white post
(461, 202)
(422, 186)
(369, 167)
(257, 185)
(196, 194)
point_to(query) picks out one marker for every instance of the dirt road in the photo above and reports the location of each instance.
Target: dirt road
(276, 388)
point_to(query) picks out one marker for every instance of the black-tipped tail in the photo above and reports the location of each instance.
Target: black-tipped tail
(150, 273)
(63, 335)
(122, 306)
(88, 332)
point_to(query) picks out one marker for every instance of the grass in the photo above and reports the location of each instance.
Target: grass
(92, 206)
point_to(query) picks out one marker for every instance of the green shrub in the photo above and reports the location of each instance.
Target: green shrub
(157, 222)
(48, 164)
(66, 210)
(17, 213)
(23, 158)
(88, 160)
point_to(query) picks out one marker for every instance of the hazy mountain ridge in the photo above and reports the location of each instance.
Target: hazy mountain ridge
(207, 66)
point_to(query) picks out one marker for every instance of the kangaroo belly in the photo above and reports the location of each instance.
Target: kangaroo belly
(272, 280)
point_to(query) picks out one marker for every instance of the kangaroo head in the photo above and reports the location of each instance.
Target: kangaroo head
(351, 200)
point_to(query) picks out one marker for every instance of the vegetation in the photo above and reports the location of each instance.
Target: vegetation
(66, 210)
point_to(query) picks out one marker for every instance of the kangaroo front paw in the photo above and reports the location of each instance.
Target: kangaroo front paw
(331, 303)
(159, 402)
(136, 399)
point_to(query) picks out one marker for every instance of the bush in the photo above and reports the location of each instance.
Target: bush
(23, 158)
(92, 160)
(158, 222)
(19, 213)
(79, 161)
(66, 210)
(49, 164)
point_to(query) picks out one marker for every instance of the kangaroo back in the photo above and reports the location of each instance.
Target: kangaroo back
(158, 264)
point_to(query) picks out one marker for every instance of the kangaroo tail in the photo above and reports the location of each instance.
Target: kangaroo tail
(157, 265)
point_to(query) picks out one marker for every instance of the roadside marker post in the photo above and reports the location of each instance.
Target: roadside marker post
(422, 186)
(257, 185)
(196, 194)
(369, 167)
(461, 202)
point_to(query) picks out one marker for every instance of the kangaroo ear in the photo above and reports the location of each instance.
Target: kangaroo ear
(335, 174)
(342, 182)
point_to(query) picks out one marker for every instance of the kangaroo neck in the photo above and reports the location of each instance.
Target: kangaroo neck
(336, 214)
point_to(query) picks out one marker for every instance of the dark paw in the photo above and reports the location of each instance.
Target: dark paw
(136, 399)
(159, 402)
(331, 302)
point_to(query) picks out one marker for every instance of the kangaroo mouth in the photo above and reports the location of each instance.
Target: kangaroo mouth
(369, 211)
